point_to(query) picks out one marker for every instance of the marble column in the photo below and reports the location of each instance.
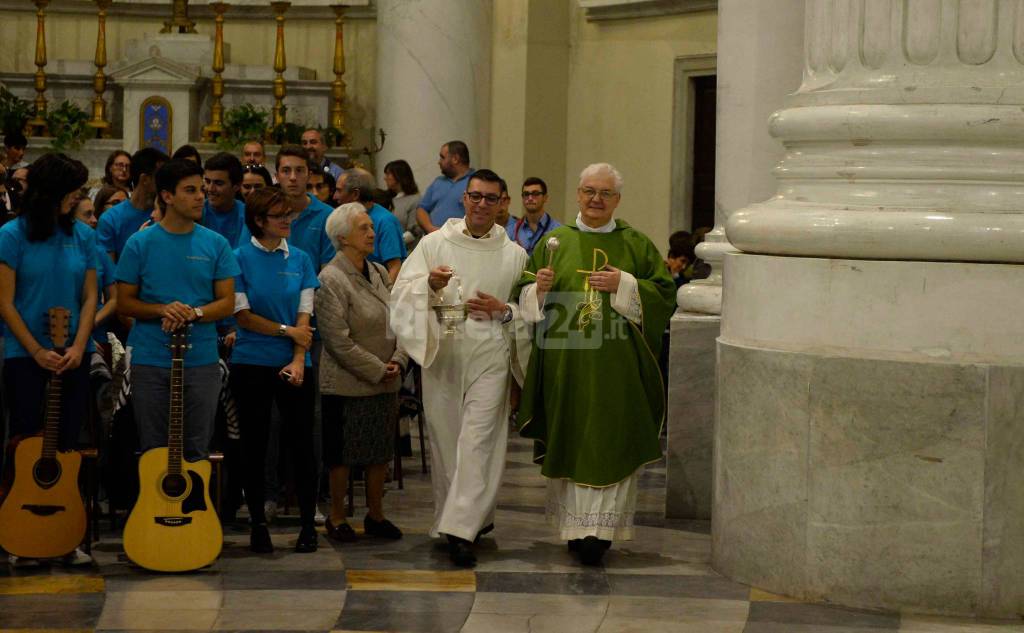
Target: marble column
(868, 448)
(762, 56)
(433, 80)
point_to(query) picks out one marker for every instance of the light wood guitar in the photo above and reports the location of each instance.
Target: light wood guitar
(173, 526)
(42, 515)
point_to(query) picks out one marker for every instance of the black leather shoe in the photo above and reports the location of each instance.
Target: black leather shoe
(382, 528)
(461, 552)
(487, 529)
(259, 539)
(592, 550)
(308, 540)
(342, 532)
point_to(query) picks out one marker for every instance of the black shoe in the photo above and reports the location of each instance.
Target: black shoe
(487, 529)
(259, 539)
(308, 541)
(461, 552)
(382, 528)
(342, 532)
(592, 550)
(574, 544)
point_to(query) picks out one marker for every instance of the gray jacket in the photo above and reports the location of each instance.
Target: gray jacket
(352, 314)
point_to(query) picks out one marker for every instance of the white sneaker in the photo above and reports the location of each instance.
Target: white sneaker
(270, 510)
(319, 517)
(21, 561)
(77, 557)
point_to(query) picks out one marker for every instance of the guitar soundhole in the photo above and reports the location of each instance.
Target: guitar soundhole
(46, 472)
(174, 486)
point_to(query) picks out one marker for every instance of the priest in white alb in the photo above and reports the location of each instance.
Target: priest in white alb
(466, 374)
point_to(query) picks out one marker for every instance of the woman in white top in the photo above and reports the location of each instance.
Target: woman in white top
(399, 180)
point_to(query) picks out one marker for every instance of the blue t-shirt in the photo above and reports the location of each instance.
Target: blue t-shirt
(175, 267)
(117, 224)
(520, 232)
(308, 233)
(388, 243)
(228, 224)
(104, 277)
(47, 274)
(443, 198)
(273, 283)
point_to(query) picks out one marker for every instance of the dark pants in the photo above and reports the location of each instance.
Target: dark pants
(256, 388)
(151, 398)
(25, 388)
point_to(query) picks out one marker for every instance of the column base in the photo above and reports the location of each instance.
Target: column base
(857, 467)
(691, 419)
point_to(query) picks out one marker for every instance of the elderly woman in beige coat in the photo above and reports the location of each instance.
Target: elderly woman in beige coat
(360, 370)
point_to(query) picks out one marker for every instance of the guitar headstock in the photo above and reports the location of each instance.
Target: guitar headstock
(58, 321)
(179, 341)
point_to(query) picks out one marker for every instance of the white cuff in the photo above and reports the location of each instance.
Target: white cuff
(306, 298)
(626, 298)
(529, 309)
(241, 302)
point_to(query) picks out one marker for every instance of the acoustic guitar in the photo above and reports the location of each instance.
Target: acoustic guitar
(173, 526)
(42, 515)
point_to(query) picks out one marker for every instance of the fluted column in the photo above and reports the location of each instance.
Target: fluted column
(37, 124)
(904, 141)
(433, 83)
(279, 64)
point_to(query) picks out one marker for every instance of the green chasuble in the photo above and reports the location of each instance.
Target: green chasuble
(594, 397)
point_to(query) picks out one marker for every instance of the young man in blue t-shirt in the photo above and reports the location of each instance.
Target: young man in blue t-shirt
(172, 274)
(123, 220)
(223, 212)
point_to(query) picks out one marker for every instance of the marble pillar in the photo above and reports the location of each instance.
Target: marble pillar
(870, 374)
(762, 46)
(433, 80)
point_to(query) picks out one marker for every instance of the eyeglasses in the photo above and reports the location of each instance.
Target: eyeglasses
(604, 194)
(282, 217)
(533, 194)
(476, 197)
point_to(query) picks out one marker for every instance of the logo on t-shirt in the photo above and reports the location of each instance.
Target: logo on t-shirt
(288, 273)
(198, 258)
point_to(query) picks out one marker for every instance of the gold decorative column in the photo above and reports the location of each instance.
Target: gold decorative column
(338, 85)
(99, 81)
(279, 6)
(36, 126)
(216, 128)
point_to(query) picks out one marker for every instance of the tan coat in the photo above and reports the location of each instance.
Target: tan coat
(352, 314)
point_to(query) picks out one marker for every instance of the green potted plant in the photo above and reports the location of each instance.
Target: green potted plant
(242, 123)
(67, 123)
(14, 111)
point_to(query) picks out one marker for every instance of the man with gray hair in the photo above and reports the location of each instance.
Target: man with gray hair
(358, 185)
(593, 396)
(313, 143)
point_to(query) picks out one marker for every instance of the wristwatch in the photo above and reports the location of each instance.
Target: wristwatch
(199, 313)
(282, 329)
(506, 316)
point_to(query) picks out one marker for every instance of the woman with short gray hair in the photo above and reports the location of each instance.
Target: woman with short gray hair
(360, 370)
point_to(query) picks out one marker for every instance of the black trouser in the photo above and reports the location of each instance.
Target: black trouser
(25, 388)
(256, 388)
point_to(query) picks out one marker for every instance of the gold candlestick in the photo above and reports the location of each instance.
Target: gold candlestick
(36, 126)
(279, 6)
(338, 85)
(99, 81)
(216, 127)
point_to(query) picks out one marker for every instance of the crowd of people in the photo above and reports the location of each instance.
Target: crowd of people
(308, 290)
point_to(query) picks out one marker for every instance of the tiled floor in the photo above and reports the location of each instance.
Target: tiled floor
(526, 581)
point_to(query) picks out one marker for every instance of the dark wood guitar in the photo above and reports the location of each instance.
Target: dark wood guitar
(43, 515)
(173, 526)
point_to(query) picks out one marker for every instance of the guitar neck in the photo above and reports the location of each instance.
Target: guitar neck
(51, 427)
(175, 429)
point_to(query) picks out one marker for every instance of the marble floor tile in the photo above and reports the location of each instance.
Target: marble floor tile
(50, 611)
(158, 619)
(690, 610)
(276, 619)
(648, 625)
(286, 579)
(539, 623)
(929, 624)
(184, 600)
(410, 580)
(589, 583)
(498, 603)
(262, 599)
(770, 617)
(713, 586)
(50, 584)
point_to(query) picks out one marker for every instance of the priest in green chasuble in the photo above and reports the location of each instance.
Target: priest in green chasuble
(593, 397)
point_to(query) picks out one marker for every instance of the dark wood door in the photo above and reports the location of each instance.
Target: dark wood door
(703, 201)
